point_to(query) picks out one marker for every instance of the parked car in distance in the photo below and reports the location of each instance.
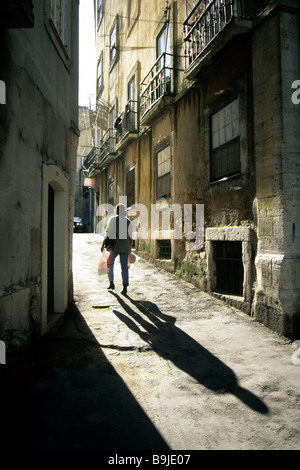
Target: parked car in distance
(79, 225)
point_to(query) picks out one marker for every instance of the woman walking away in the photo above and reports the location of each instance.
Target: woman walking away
(118, 240)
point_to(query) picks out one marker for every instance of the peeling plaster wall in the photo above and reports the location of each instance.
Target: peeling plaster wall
(38, 127)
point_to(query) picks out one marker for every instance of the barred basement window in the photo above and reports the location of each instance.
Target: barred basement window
(165, 250)
(229, 267)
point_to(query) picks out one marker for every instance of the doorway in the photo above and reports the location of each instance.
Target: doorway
(55, 255)
(50, 260)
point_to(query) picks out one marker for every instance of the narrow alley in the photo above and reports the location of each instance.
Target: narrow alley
(191, 121)
(167, 367)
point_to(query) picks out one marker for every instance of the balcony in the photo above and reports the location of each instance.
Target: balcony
(89, 162)
(127, 125)
(98, 156)
(157, 88)
(107, 148)
(209, 27)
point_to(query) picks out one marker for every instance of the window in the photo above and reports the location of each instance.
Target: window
(132, 90)
(229, 267)
(133, 12)
(112, 117)
(111, 133)
(163, 47)
(99, 12)
(132, 104)
(113, 43)
(58, 21)
(163, 41)
(100, 75)
(98, 143)
(225, 140)
(111, 192)
(57, 14)
(164, 249)
(163, 165)
(130, 185)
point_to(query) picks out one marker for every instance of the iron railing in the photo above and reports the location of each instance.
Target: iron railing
(158, 82)
(127, 122)
(89, 160)
(107, 144)
(203, 24)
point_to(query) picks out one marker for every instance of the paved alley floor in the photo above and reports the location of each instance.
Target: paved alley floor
(167, 367)
(207, 376)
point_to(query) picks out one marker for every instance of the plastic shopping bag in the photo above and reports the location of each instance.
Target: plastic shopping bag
(131, 259)
(103, 263)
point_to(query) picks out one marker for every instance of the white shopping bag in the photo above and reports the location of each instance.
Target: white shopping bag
(103, 263)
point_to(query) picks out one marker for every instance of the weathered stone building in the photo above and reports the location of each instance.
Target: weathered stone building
(38, 146)
(194, 107)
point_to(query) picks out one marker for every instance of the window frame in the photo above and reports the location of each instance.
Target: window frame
(111, 183)
(132, 101)
(130, 197)
(131, 89)
(100, 76)
(228, 258)
(60, 39)
(133, 13)
(57, 15)
(158, 150)
(231, 144)
(113, 58)
(100, 7)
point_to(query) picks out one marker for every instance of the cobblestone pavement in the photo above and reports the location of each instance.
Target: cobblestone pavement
(167, 367)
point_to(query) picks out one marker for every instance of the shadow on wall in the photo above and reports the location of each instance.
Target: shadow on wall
(173, 344)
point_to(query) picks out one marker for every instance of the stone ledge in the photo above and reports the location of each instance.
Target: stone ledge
(229, 234)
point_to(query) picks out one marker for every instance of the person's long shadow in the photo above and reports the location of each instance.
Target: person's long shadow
(169, 341)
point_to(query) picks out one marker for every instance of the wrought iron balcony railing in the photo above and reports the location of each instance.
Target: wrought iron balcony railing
(107, 144)
(209, 18)
(89, 161)
(158, 82)
(127, 122)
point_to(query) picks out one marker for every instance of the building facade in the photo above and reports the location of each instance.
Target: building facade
(194, 109)
(38, 147)
(84, 198)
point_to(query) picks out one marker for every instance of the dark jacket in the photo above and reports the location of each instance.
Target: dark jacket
(120, 230)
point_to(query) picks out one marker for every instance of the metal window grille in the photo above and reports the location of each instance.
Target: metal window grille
(229, 267)
(165, 250)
